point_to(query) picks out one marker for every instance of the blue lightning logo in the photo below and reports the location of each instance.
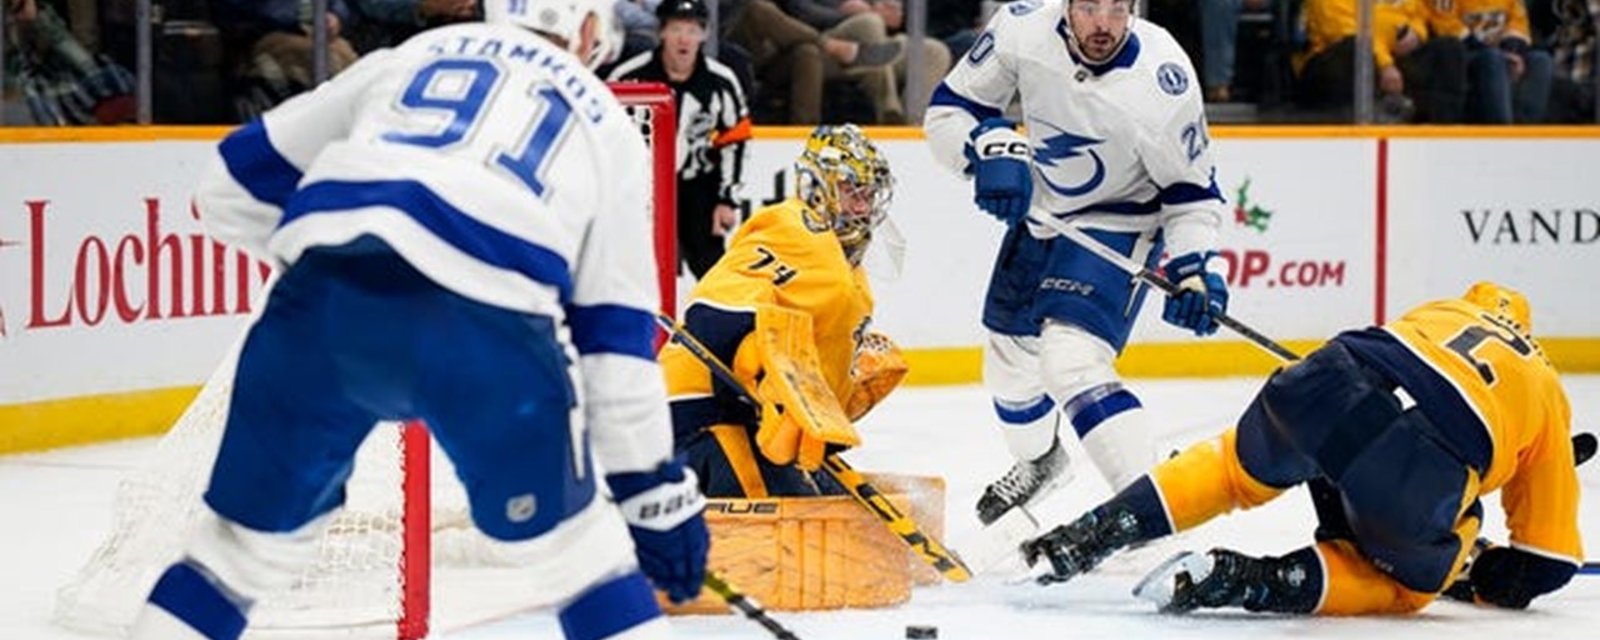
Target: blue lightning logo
(1065, 145)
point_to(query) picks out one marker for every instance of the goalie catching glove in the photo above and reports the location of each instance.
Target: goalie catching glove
(878, 369)
(801, 418)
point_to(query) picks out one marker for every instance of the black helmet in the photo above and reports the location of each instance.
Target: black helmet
(691, 9)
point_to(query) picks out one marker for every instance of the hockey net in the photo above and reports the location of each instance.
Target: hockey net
(402, 553)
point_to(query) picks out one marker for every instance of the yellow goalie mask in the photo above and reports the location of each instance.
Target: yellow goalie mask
(845, 181)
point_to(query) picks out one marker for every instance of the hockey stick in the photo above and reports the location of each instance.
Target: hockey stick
(1156, 280)
(748, 606)
(946, 562)
(1018, 524)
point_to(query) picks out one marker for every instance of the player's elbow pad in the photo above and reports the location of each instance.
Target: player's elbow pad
(1511, 578)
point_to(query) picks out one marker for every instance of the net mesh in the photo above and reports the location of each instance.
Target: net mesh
(357, 586)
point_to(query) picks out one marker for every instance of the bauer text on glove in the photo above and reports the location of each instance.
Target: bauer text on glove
(666, 517)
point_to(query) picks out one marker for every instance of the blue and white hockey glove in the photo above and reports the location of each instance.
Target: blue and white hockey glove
(1002, 169)
(666, 517)
(1203, 295)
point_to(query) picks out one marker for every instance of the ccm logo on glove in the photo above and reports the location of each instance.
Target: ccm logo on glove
(1004, 148)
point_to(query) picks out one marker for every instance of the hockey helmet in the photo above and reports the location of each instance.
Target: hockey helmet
(690, 9)
(1502, 301)
(563, 19)
(845, 181)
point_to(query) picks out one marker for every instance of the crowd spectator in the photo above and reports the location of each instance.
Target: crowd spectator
(956, 23)
(1573, 91)
(856, 21)
(1508, 80)
(1417, 51)
(270, 49)
(935, 56)
(639, 26)
(376, 24)
(713, 126)
(1219, 39)
(52, 79)
(789, 53)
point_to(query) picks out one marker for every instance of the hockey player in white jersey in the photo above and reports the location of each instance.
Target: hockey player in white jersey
(461, 240)
(1116, 145)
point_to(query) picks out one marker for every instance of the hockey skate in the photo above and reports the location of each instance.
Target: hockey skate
(1224, 578)
(1080, 546)
(1026, 482)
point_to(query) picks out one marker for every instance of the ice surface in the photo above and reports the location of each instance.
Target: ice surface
(56, 508)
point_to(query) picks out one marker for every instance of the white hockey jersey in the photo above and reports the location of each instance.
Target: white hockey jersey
(502, 169)
(1120, 145)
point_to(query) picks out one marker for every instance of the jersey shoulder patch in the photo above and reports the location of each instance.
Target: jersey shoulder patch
(1024, 7)
(1172, 78)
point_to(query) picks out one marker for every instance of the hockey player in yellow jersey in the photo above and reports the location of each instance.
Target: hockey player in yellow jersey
(790, 294)
(1399, 431)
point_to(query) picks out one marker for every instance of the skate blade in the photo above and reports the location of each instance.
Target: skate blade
(1159, 586)
(998, 547)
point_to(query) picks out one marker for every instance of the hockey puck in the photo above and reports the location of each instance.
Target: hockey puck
(921, 632)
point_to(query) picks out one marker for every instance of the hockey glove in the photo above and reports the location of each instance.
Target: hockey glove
(1203, 295)
(1511, 578)
(1002, 169)
(666, 517)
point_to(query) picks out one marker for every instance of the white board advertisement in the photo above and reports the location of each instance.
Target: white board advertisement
(1525, 213)
(1297, 239)
(106, 283)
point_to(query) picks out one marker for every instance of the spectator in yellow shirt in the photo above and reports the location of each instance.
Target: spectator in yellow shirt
(1416, 48)
(1507, 80)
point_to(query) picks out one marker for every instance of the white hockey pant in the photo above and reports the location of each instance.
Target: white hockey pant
(1028, 376)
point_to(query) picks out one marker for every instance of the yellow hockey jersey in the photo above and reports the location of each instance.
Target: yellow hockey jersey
(785, 256)
(1329, 21)
(1490, 21)
(1486, 385)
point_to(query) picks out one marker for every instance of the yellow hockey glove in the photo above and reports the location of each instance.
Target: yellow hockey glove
(878, 369)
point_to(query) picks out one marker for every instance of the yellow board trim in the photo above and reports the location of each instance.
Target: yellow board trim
(35, 135)
(964, 365)
(36, 426)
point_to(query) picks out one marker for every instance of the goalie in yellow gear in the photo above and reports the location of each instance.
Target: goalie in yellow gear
(787, 309)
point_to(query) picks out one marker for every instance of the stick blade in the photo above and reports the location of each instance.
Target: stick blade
(1583, 448)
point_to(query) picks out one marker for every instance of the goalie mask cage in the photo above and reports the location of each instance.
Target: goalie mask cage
(403, 551)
